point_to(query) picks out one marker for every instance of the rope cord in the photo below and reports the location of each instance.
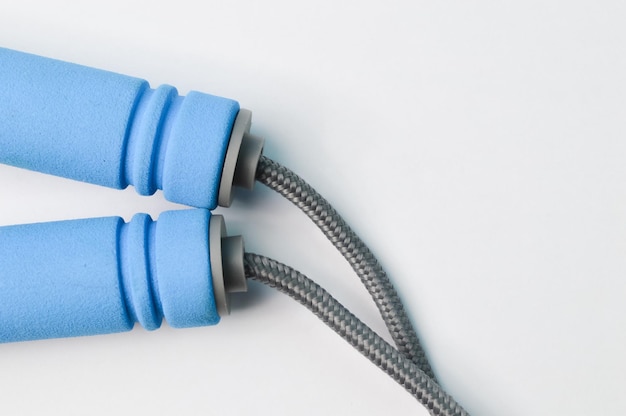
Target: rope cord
(360, 336)
(366, 266)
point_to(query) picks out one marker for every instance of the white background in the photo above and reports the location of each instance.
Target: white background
(478, 147)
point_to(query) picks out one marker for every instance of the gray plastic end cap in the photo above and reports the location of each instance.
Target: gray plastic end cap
(242, 158)
(227, 269)
(217, 230)
(248, 160)
(232, 264)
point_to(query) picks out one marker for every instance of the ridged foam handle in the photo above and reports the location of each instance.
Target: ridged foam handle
(113, 130)
(97, 276)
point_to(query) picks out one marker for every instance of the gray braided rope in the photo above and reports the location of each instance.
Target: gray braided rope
(366, 266)
(360, 336)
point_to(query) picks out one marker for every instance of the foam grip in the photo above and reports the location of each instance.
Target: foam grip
(97, 276)
(113, 130)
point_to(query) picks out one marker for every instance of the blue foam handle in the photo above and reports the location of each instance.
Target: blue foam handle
(113, 130)
(97, 276)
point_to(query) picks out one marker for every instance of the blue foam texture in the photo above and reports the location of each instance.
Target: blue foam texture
(97, 276)
(113, 130)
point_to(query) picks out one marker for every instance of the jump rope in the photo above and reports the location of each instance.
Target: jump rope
(102, 275)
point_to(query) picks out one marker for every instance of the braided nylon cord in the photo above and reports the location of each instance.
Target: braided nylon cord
(366, 266)
(353, 330)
